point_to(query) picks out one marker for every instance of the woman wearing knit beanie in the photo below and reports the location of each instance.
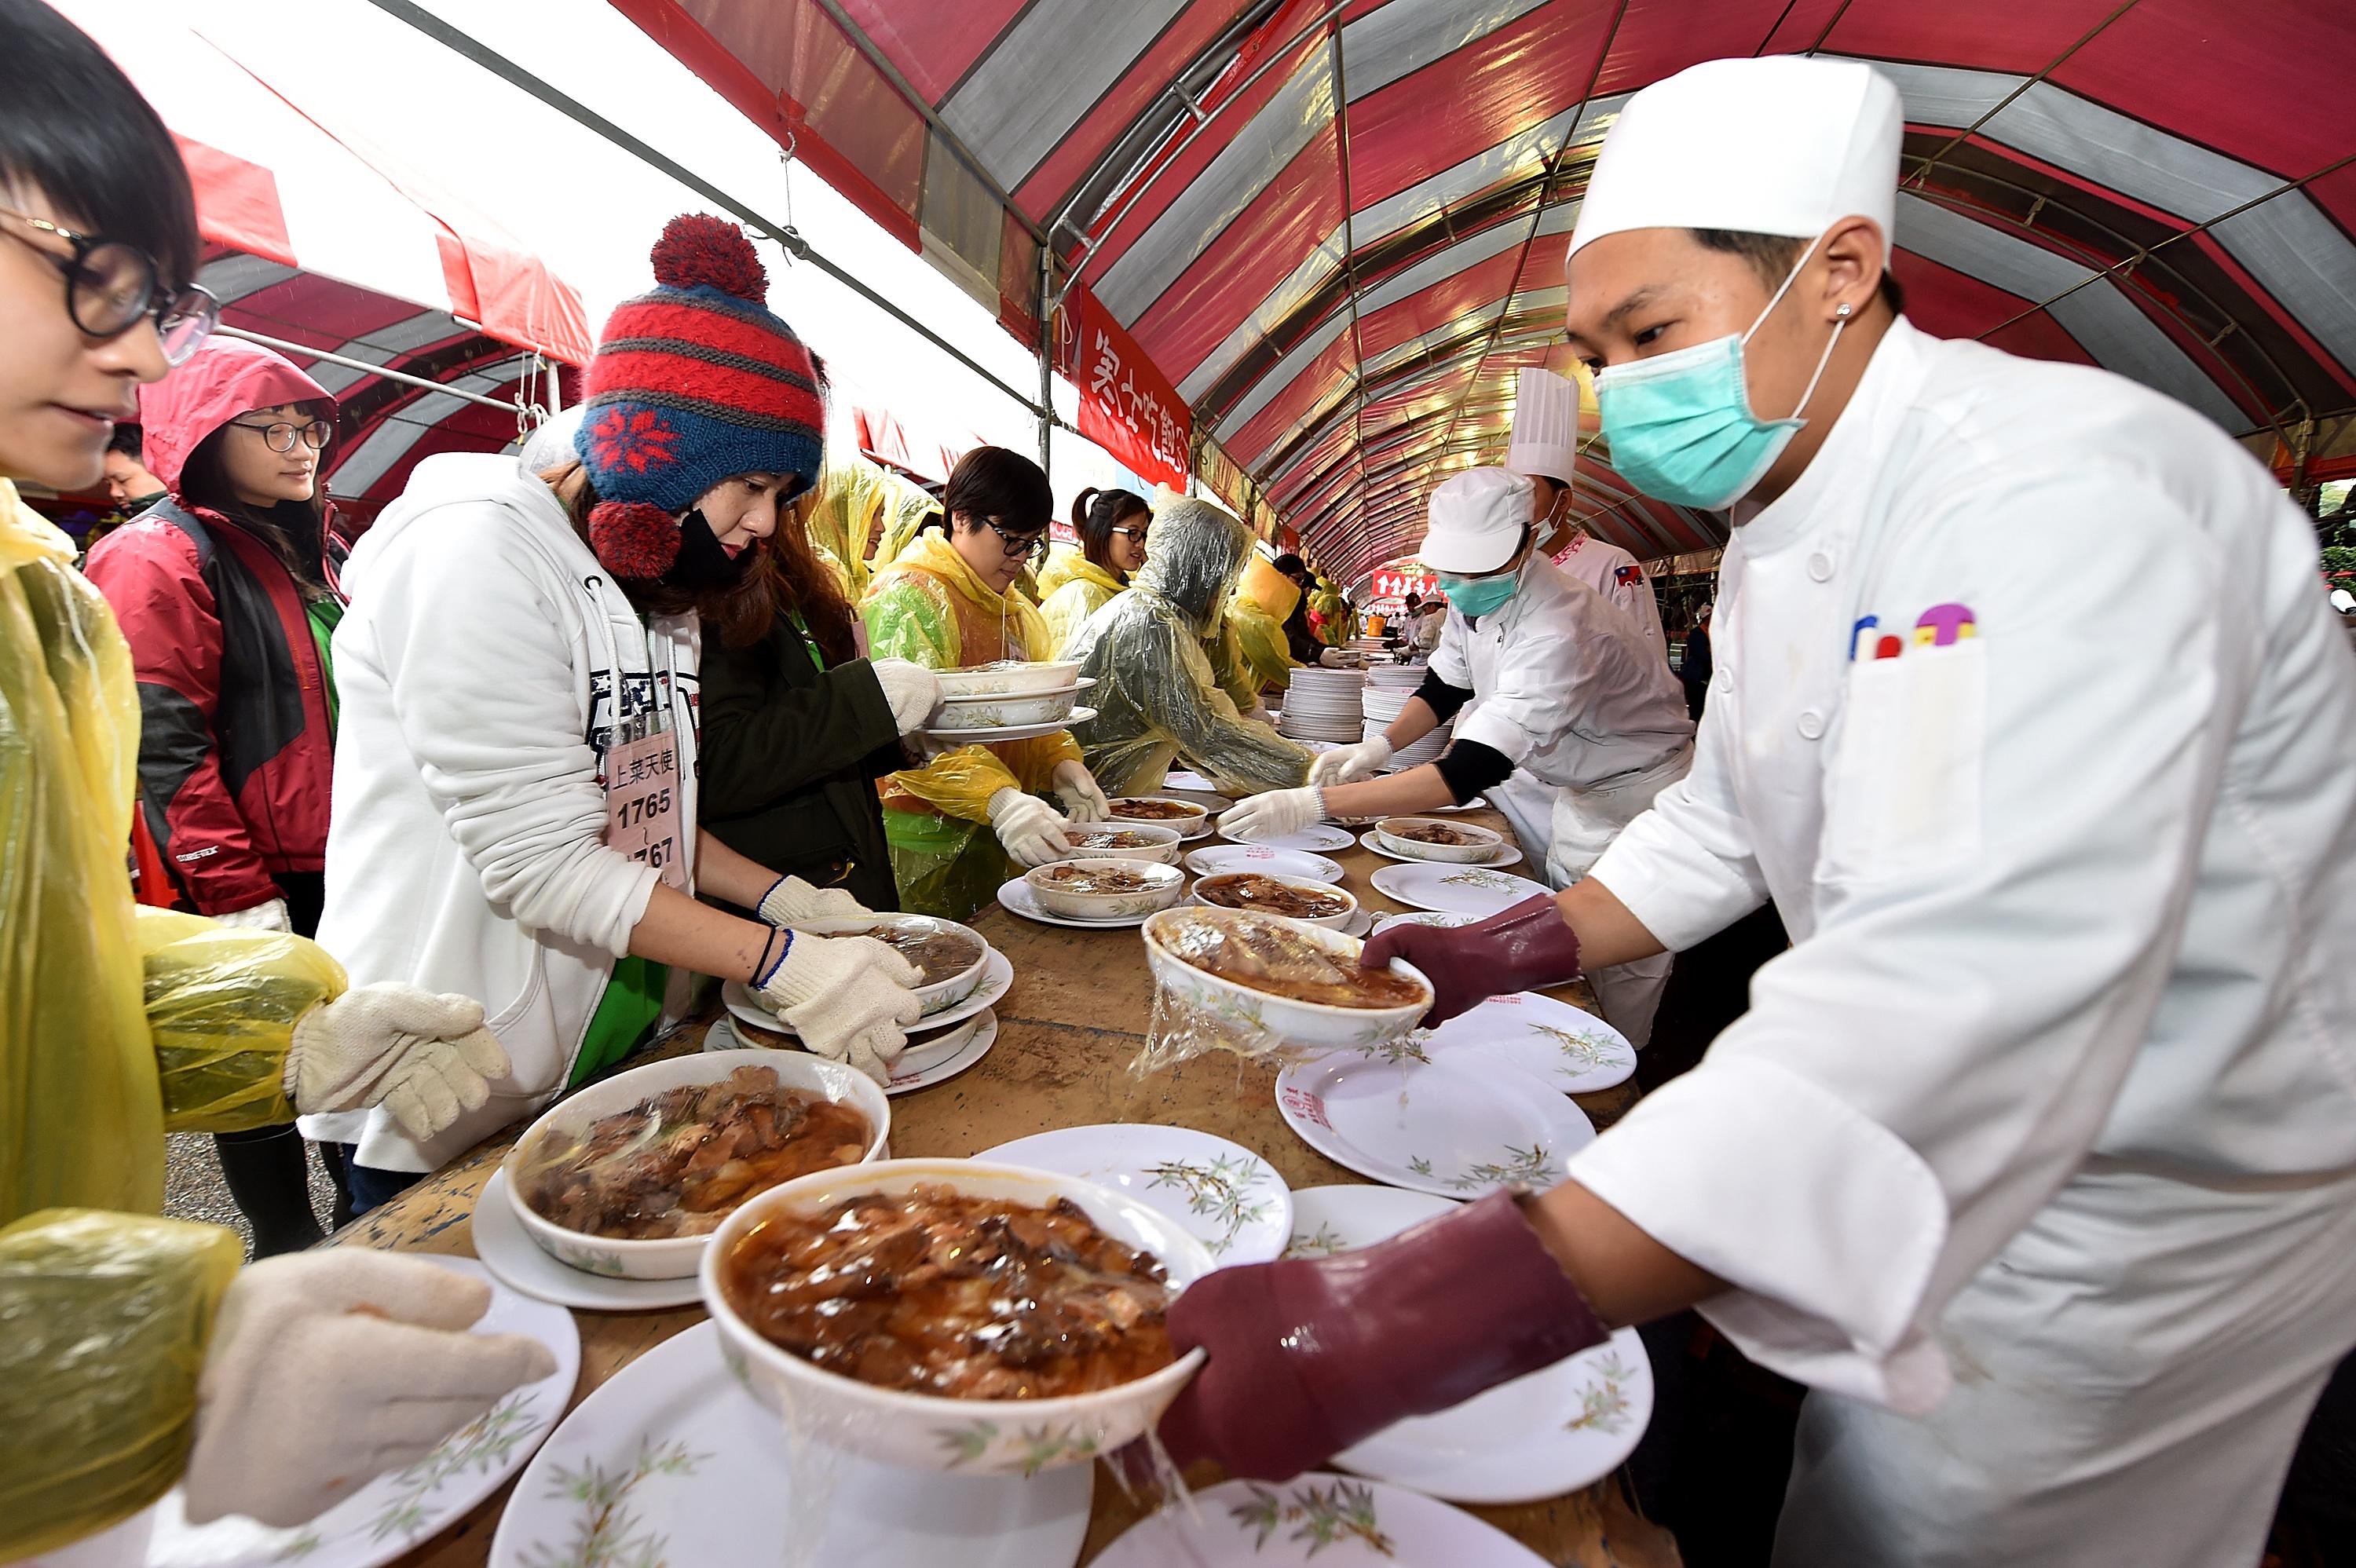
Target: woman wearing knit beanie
(516, 793)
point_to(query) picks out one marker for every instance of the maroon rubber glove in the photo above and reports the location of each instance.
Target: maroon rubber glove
(1310, 1355)
(1524, 948)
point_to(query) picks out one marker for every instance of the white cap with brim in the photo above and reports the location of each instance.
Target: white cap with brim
(1783, 144)
(1545, 443)
(1477, 518)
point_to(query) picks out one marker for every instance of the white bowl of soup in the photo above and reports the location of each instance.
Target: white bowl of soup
(951, 956)
(1124, 841)
(946, 1314)
(1106, 888)
(1190, 818)
(1293, 897)
(1282, 978)
(632, 1177)
(995, 711)
(1009, 678)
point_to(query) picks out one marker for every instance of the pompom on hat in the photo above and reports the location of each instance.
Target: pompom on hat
(694, 383)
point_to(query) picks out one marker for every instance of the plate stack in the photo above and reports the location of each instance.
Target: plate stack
(1387, 691)
(1323, 705)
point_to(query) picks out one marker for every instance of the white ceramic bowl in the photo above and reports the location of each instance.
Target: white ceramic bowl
(929, 1432)
(1327, 890)
(997, 712)
(1015, 678)
(1162, 842)
(1463, 854)
(927, 1050)
(1303, 1023)
(1169, 884)
(675, 1257)
(938, 997)
(1194, 822)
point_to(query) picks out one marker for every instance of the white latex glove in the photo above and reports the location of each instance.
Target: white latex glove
(1029, 828)
(1344, 763)
(791, 899)
(329, 1368)
(420, 1055)
(848, 996)
(913, 691)
(270, 915)
(1077, 788)
(1274, 815)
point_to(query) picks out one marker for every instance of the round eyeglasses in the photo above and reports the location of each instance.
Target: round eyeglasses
(113, 286)
(279, 436)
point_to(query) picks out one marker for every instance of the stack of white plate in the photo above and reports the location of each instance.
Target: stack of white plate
(1325, 705)
(1381, 704)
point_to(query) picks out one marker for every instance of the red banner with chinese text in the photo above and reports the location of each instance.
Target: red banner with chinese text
(1126, 406)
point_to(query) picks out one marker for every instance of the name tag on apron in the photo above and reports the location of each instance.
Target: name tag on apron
(643, 820)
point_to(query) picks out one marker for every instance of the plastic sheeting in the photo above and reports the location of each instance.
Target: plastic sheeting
(1157, 697)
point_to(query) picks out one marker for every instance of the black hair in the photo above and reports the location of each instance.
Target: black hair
(295, 531)
(1773, 257)
(1413, 600)
(1095, 513)
(130, 441)
(1290, 563)
(74, 129)
(1003, 487)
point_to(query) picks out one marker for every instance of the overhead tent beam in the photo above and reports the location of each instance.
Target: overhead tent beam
(785, 234)
(518, 407)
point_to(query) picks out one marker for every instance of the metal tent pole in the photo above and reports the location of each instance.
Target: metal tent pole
(403, 377)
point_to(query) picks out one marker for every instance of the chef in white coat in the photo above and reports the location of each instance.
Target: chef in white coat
(1564, 716)
(2035, 1156)
(1544, 449)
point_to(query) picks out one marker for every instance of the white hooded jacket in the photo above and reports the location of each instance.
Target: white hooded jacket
(477, 670)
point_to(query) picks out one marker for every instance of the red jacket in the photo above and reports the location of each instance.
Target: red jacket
(236, 754)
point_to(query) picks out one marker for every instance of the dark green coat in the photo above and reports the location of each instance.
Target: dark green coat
(790, 760)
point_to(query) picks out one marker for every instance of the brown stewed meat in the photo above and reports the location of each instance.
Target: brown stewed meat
(1268, 955)
(933, 1293)
(1132, 808)
(1435, 833)
(940, 954)
(1252, 890)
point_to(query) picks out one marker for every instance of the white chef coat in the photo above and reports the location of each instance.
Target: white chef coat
(2072, 986)
(1613, 572)
(1563, 685)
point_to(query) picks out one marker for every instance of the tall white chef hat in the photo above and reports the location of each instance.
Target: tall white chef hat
(1544, 443)
(1782, 144)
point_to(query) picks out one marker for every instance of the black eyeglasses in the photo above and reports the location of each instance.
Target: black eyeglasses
(1013, 544)
(1137, 534)
(112, 285)
(280, 435)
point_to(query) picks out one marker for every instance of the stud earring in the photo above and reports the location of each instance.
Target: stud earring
(1842, 313)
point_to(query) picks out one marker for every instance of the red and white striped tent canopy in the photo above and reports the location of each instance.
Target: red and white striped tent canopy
(317, 236)
(1337, 228)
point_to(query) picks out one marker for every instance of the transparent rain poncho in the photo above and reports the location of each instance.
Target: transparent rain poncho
(1071, 589)
(929, 607)
(116, 1024)
(1157, 697)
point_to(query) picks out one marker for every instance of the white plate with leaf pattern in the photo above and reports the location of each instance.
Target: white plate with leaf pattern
(1558, 1429)
(997, 979)
(671, 1461)
(1260, 858)
(394, 1512)
(516, 1260)
(1224, 1195)
(1314, 1522)
(1505, 854)
(1017, 898)
(997, 734)
(1312, 839)
(1476, 891)
(1570, 1048)
(1426, 917)
(1455, 1125)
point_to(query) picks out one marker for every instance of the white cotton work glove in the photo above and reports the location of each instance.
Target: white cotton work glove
(1338, 658)
(913, 691)
(1273, 815)
(791, 899)
(1344, 763)
(423, 1056)
(849, 997)
(269, 915)
(1028, 827)
(1077, 788)
(329, 1368)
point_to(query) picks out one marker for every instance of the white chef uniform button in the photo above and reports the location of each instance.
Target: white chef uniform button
(1812, 724)
(1820, 567)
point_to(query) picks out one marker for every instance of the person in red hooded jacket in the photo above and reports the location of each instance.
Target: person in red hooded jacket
(223, 590)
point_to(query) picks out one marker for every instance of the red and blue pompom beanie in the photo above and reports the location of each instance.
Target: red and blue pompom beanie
(694, 383)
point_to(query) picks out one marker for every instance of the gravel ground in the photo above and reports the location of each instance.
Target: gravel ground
(193, 1187)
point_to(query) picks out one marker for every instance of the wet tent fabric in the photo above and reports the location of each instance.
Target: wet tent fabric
(1338, 229)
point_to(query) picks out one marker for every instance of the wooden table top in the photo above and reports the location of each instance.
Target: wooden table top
(1075, 1018)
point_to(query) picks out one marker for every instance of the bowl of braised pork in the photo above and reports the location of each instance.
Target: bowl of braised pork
(632, 1177)
(1109, 889)
(1282, 978)
(949, 958)
(1427, 839)
(1124, 840)
(1190, 818)
(945, 1315)
(1293, 897)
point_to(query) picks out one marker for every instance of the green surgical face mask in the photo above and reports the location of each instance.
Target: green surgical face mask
(1478, 596)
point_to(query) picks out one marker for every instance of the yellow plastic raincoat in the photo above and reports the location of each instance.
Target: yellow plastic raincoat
(929, 607)
(1075, 588)
(1256, 612)
(853, 499)
(116, 1026)
(903, 514)
(1157, 695)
